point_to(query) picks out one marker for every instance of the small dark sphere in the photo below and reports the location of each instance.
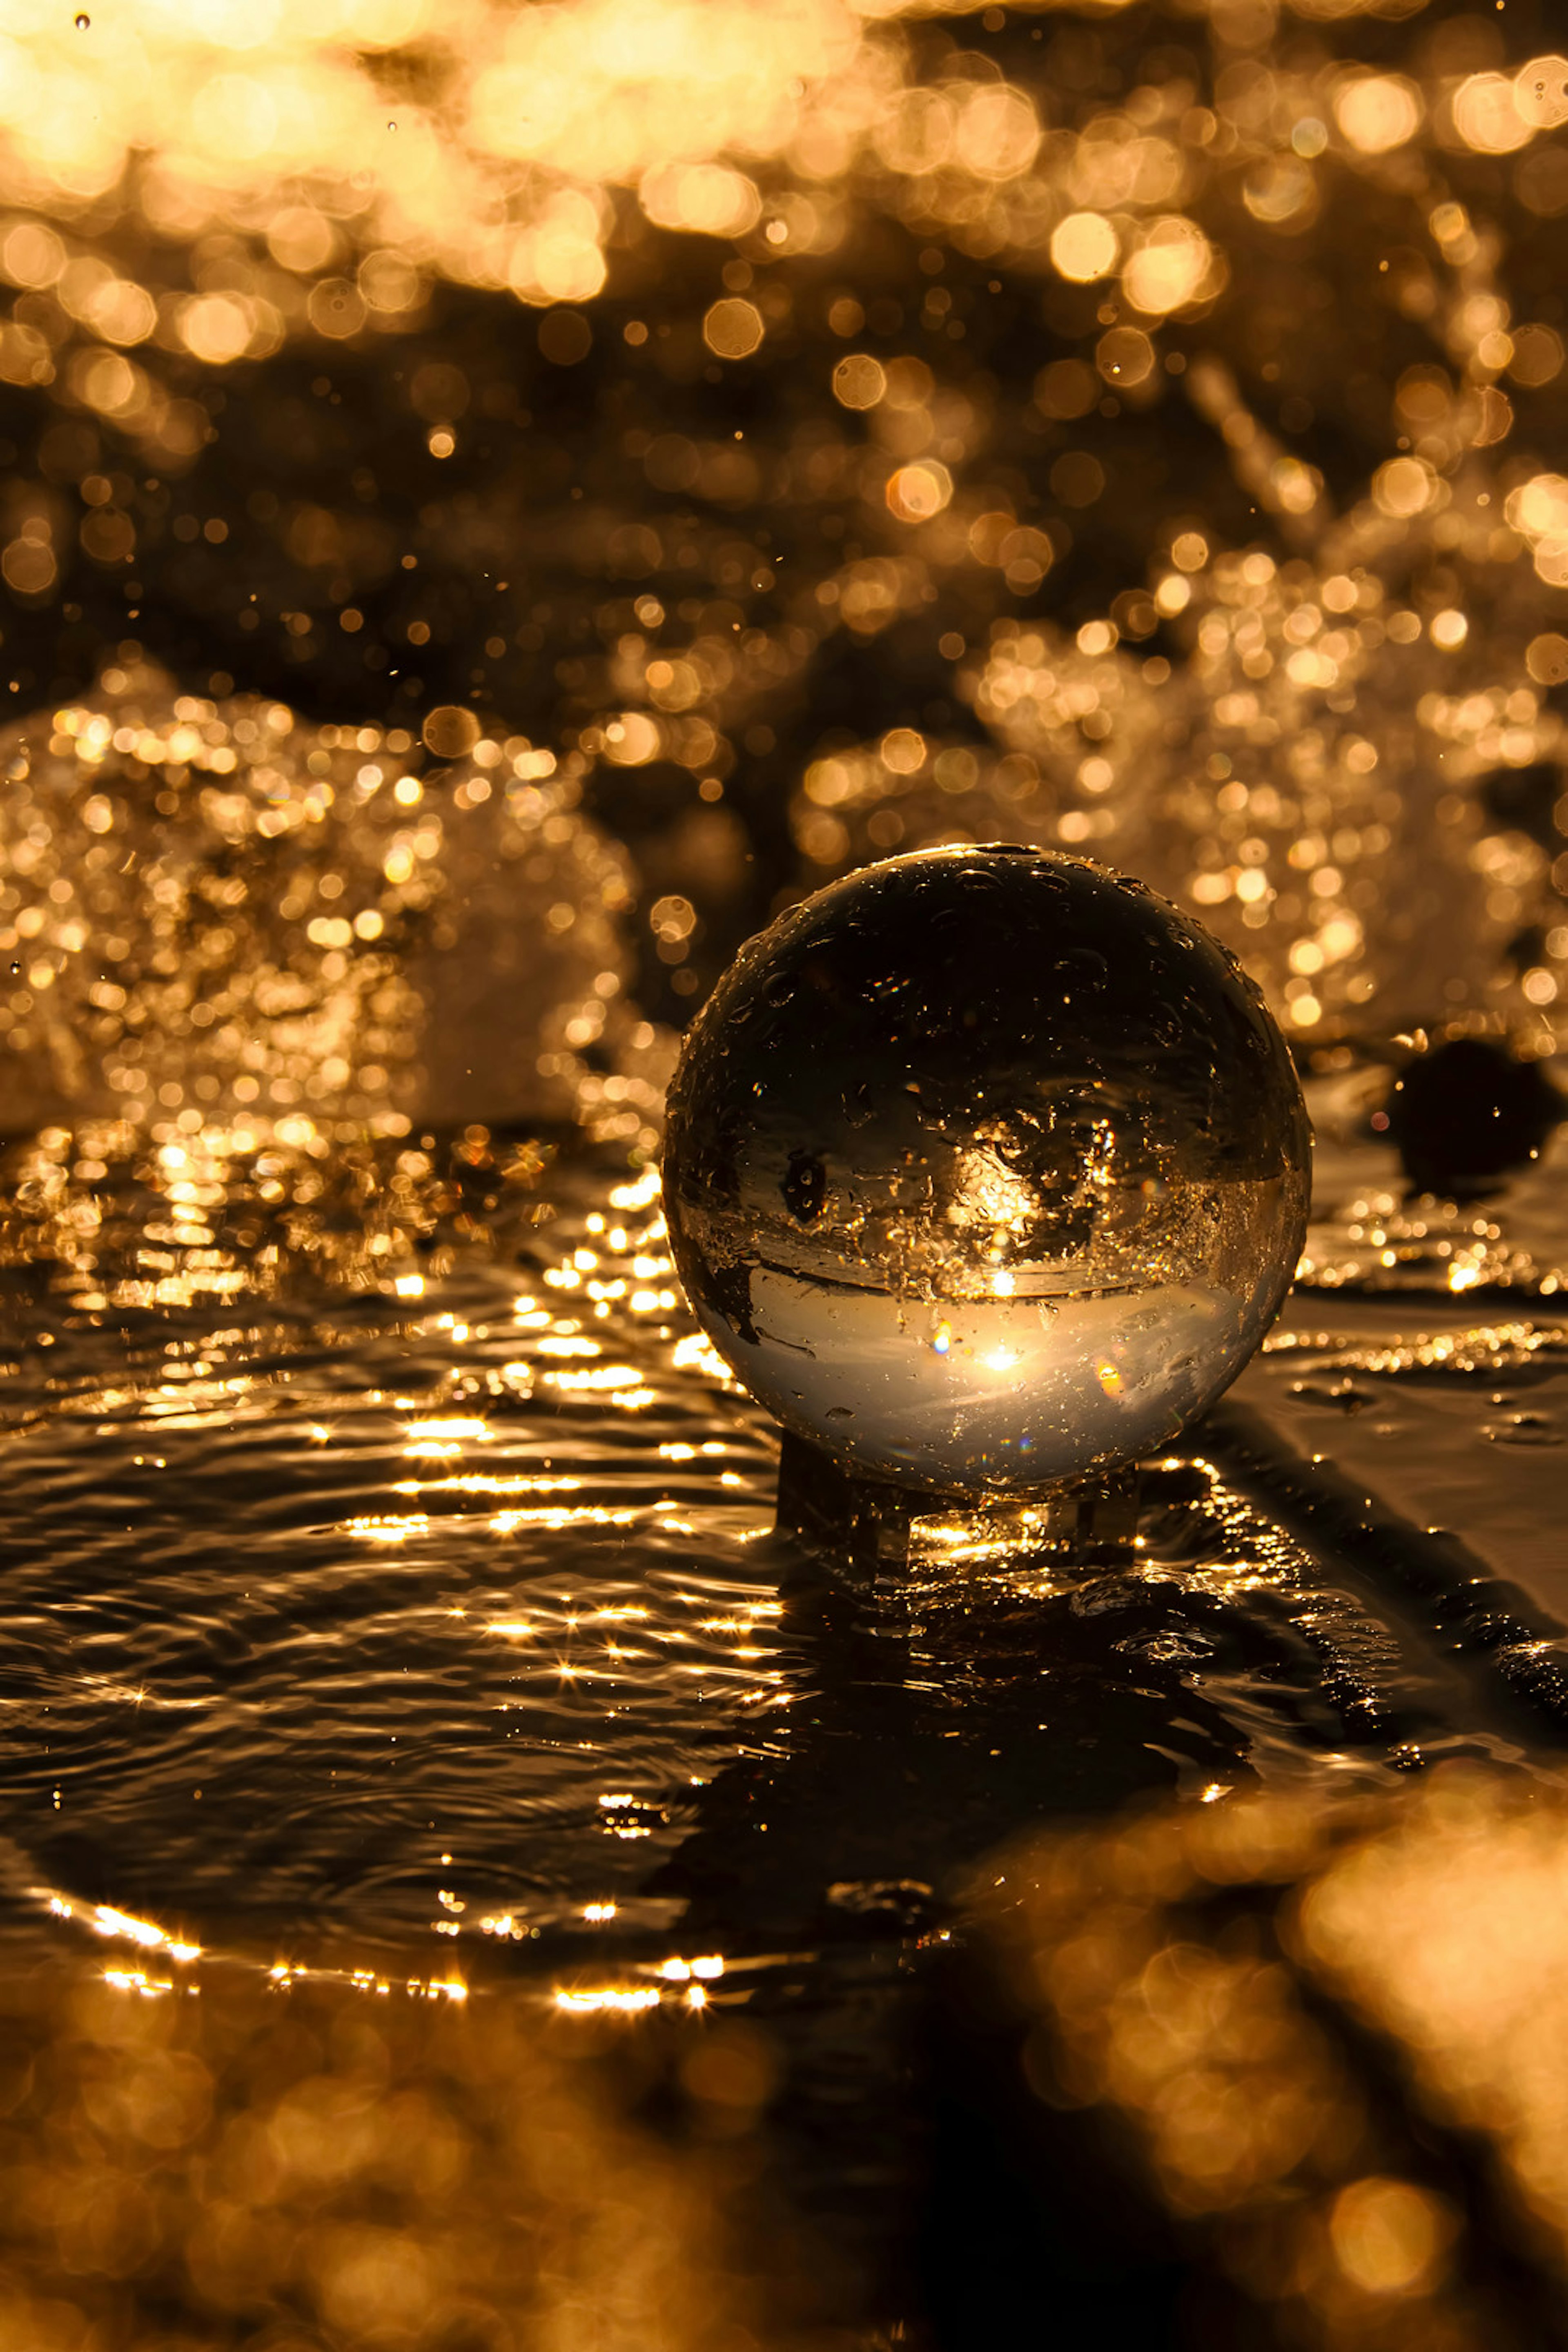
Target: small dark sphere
(1466, 1115)
(985, 1167)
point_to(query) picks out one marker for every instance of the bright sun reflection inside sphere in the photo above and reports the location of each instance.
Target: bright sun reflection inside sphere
(985, 1167)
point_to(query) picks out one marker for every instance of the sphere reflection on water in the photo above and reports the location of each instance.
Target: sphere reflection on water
(985, 1167)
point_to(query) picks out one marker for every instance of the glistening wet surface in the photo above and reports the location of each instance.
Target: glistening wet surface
(393, 1589)
(313, 1589)
(354, 1606)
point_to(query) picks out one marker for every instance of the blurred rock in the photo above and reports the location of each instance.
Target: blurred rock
(1466, 1113)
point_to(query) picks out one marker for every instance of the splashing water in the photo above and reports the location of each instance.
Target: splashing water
(1177, 484)
(307, 924)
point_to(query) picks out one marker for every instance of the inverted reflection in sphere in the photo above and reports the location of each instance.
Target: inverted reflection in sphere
(985, 1167)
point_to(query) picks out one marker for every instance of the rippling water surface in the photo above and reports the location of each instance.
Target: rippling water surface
(393, 1594)
(373, 1613)
(391, 1606)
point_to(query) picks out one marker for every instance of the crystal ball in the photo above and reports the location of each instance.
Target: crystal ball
(985, 1167)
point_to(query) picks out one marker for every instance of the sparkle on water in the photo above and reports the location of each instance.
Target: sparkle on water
(405, 1577)
(395, 1611)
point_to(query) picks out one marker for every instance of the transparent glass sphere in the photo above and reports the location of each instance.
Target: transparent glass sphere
(985, 1167)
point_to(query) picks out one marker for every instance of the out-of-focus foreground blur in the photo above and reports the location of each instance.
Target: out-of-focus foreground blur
(1270, 2074)
(1286, 2074)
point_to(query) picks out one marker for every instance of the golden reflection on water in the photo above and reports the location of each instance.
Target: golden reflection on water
(533, 1621)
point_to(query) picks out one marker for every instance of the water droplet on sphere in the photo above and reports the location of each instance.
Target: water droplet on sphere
(1024, 1187)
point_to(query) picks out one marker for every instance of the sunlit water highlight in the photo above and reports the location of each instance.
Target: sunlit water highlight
(386, 1619)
